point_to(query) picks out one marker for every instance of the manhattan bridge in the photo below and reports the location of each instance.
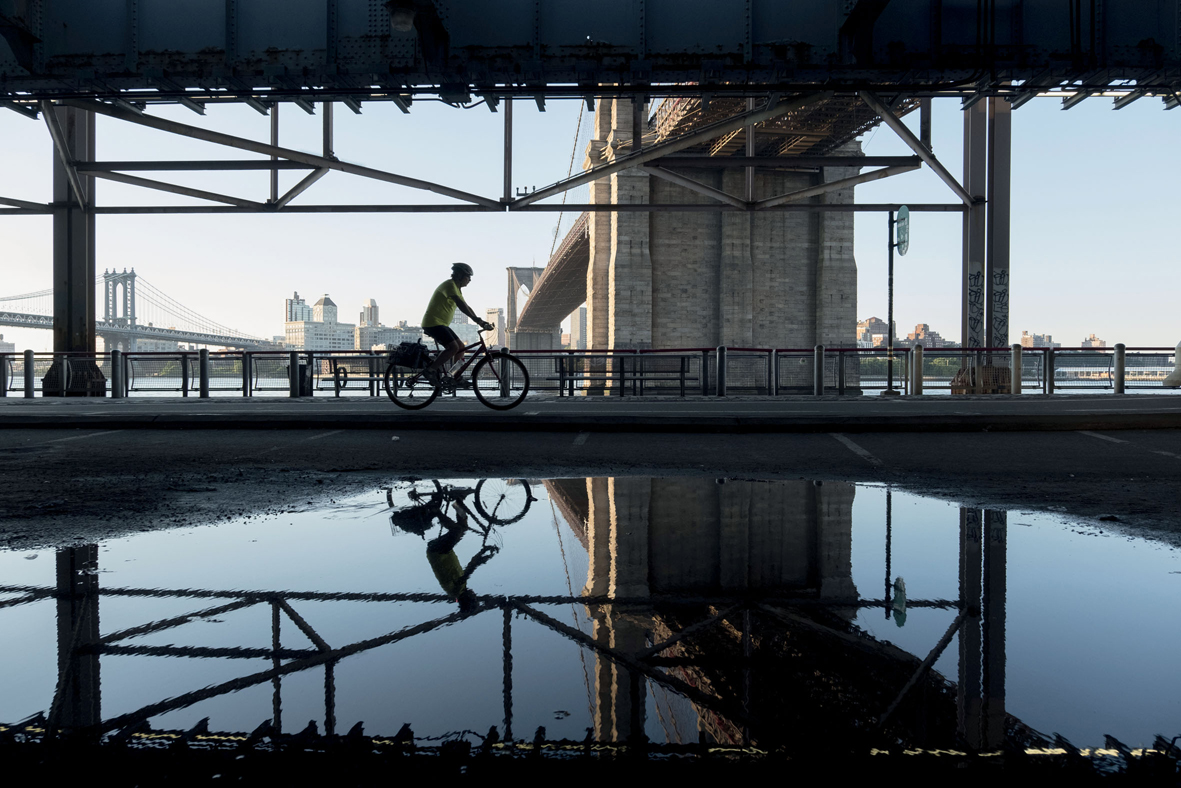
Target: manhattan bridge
(134, 310)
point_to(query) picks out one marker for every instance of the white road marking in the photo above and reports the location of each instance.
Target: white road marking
(81, 437)
(1164, 453)
(533, 413)
(853, 447)
(324, 435)
(1101, 437)
(581, 438)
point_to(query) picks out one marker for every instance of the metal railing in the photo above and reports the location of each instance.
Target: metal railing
(679, 372)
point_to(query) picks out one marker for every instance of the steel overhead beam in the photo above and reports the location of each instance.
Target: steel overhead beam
(843, 183)
(32, 206)
(300, 187)
(200, 194)
(671, 146)
(467, 208)
(695, 186)
(63, 152)
(242, 143)
(915, 144)
(189, 166)
(786, 162)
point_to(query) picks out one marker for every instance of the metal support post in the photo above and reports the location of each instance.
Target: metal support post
(721, 371)
(1015, 369)
(997, 225)
(293, 374)
(705, 373)
(916, 370)
(1121, 351)
(203, 372)
(505, 384)
(508, 150)
(841, 372)
(818, 371)
(1049, 386)
(184, 374)
(972, 329)
(773, 373)
(274, 158)
(373, 367)
(890, 308)
(247, 373)
(29, 380)
(117, 374)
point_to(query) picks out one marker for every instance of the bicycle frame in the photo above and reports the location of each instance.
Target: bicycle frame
(473, 353)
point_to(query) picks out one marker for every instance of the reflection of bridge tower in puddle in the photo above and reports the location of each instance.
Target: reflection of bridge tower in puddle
(659, 537)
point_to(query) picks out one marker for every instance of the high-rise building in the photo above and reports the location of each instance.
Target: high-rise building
(578, 329)
(1094, 341)
(297, 309)
(464, 328)
(369, 314)
(321, 332)
(873, 332)
(1038, 340)
(495, 316)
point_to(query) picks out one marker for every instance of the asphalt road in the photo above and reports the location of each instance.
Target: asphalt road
(62, 485)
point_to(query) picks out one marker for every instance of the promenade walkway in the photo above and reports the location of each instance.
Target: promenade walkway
(554, 414)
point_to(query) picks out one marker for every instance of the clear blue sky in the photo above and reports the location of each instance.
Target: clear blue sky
(1095, 203)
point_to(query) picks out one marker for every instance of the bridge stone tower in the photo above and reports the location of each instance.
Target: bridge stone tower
(119, 307)
(702, 279)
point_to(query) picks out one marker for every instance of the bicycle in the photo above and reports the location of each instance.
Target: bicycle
(498, 502)
(499, 380)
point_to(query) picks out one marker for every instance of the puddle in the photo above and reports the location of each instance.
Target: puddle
(744, 613)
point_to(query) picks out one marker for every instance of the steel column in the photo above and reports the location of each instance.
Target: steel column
(972, 329)
(76, 702)
(1000, 144)
(968, 699)
(73, 238)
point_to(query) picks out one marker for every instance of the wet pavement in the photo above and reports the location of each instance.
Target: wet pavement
(653, 612)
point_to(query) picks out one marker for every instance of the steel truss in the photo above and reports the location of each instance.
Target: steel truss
(654, 159)
(647, 662)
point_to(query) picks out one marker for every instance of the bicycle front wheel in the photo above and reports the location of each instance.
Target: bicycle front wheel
(409, 388)
(503, 501)
(500, 381)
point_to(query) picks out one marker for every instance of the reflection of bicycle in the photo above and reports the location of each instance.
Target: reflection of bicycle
(499, 380)
(497, 502)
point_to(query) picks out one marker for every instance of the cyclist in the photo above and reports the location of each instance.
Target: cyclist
(436, 323)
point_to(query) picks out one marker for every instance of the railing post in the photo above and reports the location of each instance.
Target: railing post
(978, 373)
(374, 389)
(818, 371)
(916, 370)
(3, 375)
(684, 371)
(1121, 354)
(293, 374)
(841, 373)
(505, 384)
(184, 374)
(311, 376)
(247, 373)
(117, 374)
(705, 373)
(1015, 369)
(1049, 370)
(721, 371)
(203, 371)
(771, 373)
(62, 362)
(29, 379)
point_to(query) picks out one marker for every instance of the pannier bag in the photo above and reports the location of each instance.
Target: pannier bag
(412, 355)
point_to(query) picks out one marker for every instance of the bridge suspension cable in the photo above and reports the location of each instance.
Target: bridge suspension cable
(160, 309)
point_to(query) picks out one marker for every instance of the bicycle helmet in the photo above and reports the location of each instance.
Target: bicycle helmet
(462, 268)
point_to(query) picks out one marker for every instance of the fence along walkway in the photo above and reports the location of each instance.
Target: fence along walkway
(681, 372)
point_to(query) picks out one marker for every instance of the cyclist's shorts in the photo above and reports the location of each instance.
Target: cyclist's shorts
(441, 334)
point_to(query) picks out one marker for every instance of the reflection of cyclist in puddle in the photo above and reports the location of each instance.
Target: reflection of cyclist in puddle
(440, 551)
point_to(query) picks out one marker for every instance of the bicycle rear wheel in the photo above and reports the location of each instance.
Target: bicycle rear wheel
(500, 381)
(408, 388)
(503, 501)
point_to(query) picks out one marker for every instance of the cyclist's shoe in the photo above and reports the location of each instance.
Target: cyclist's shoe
(433, 376)
(461, 383)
